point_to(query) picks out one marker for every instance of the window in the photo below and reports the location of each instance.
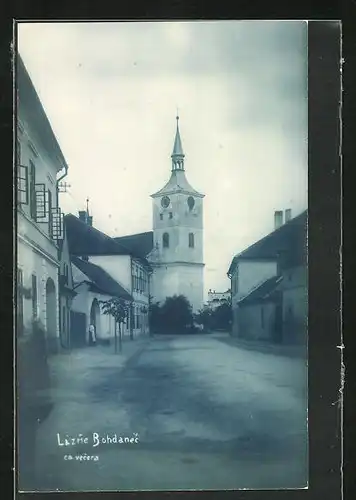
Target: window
(50, 219)
(22, 184)
(19, 309)
(191, 240)
(165, 240)
(262, 317)
(34, 296)
(161, 216)
(170, 215)
(191, 202)
(32, 190)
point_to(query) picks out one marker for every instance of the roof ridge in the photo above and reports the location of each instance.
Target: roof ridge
(256, 287)
(102, 270)
(130, 235)
(276, 230)
(92, 228)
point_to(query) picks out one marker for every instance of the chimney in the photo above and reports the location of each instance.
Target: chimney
(287, 214)
(83, 215)
(278, 219)
(90, 220)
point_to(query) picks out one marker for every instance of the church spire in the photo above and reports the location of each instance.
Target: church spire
(177, 154)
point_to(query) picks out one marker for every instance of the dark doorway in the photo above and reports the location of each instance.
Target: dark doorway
(78, 322)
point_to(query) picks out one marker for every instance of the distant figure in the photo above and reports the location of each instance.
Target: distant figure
(92, 335)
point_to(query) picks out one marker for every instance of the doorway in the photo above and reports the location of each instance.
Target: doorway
(95, 319)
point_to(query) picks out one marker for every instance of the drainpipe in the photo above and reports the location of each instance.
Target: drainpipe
(59, 318)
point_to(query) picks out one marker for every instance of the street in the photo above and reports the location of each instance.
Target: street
(200, 414)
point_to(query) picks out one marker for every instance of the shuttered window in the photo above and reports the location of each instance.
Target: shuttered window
(32, 190)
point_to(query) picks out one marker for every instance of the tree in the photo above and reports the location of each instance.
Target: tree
(204, 317)
(223, 316)
(173, 316)
(154, 317)
(119, 310)
(176, 314)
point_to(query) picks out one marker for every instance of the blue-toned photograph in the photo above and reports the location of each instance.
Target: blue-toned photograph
(161, 256)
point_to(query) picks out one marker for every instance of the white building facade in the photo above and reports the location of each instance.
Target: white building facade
(128, 270)
(177, 256)
(40, 165)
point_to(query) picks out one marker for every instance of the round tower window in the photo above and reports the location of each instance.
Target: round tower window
(191, 202)
(165, 202)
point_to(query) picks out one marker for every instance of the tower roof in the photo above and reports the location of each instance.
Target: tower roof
(177, 148)
(178, 183)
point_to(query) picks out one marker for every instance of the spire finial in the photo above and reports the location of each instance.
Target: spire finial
(177, 154)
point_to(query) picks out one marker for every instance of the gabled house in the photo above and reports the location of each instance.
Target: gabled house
(257, 318)
(268, 283)
(93, 285)
(124, 264)
(40, 166)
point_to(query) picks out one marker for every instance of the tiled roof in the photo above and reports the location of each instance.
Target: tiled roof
(288, 240)
(177, 183)
(86, 240)
(140, 244)
(101, 279)
(262, 291)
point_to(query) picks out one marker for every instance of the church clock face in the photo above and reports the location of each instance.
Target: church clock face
(191, 202)
(165, 202)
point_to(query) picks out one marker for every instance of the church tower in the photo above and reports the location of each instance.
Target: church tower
(177, 257)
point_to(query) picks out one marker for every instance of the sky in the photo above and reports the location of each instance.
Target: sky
(111, 92)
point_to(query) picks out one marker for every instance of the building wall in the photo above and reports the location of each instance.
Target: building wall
(32, 150)
(295, 304)
(123, 268)
(37, 251)
(247, 275)
(118, 266)
(179, 279)
(137, 321)
(179, 268)
(256, 321)
(32, 262)
(252, 273)
(105, 328)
